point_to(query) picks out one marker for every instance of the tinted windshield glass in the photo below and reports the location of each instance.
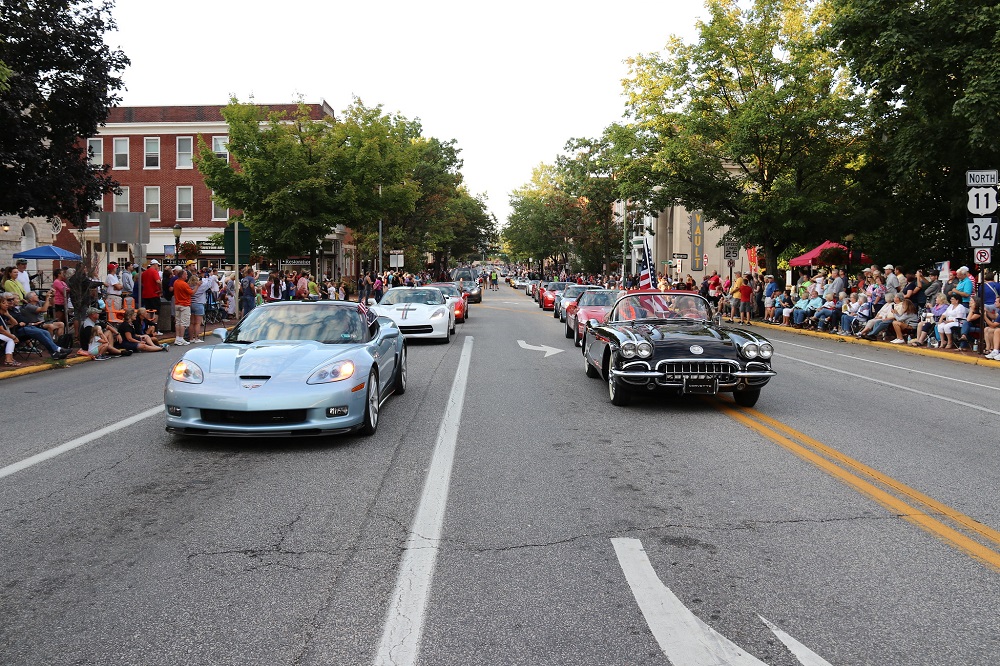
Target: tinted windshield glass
(660, 306)
(573, 291)
(594, 298)
(331, 324)
(448, 290)
(426, 296)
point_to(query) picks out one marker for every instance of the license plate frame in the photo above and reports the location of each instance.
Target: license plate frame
(701, 386)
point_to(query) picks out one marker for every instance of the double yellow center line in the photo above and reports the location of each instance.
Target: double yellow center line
(953, 527)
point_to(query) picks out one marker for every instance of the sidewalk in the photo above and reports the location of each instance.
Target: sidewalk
(962, 355)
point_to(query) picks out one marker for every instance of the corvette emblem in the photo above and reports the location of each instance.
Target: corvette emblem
(252, 385)
(696, 349)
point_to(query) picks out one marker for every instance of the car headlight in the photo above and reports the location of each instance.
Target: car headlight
(750, 350)
(644, 349)
(188, 372)
(628, 349)
(766, 350)
(440, 312)
(332, 372)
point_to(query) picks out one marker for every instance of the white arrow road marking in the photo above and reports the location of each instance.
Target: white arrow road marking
(549, 351)
(683, 637)
(404, 620)
(805, 656)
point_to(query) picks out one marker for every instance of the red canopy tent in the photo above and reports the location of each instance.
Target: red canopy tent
(811, 258)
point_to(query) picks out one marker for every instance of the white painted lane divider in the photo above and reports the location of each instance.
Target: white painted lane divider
(78, 442)
(404, 620)
(684, 638)
(549, 351)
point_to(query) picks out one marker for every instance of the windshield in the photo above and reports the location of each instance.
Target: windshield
(556, 286)
(447, 289)
(598, 298)
(407, 295)
(661, 306)
(330, 324)
(573, 291)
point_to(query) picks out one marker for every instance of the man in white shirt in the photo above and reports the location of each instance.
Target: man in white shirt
(891, 282)
(22, 275)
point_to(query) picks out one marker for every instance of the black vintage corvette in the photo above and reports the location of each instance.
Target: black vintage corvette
(668, 341)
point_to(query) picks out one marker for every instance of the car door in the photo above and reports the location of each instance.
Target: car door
(384, 340)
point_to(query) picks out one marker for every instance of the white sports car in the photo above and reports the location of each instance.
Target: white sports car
(419, 312)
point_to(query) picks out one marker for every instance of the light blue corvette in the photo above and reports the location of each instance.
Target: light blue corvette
(289, 369)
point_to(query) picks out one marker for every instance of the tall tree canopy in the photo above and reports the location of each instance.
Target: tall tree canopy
(750, 124)
(295, 178)
(931, 72)
(59, 82)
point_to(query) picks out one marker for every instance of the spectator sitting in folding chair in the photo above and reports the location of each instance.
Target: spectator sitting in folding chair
(26, 329)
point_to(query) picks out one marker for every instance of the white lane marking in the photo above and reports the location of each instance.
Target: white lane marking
(682, 636)
(890, 365)
(805, 656)
(792, 344)
(404, 620)
(549, 351)
(78, 442)
(898, 386)
(929, 374)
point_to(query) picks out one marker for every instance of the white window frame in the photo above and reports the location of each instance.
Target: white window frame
(121, 200)
(216, 207)
(146, 153)
(114, 152)
(189, 152)
(148, 201)
(95, 215)
(223, 150)
(98, 158)
(190, 192)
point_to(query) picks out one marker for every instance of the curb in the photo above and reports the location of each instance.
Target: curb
(967, 357)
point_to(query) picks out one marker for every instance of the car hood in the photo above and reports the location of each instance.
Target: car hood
(266, 358)
(588, 312)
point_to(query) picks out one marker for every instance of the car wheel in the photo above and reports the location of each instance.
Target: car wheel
(577, 340)
(453, 328)
(569, 331)
(619, 397)
(591, 370)
(746, 398)
(465, 315)
(447, 335)
(399, 385)
(555, 313)
(370, 424)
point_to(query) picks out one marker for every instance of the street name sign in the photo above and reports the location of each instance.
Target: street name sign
(680, 255)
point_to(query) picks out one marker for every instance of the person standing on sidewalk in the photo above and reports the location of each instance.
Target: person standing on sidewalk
(182, 307)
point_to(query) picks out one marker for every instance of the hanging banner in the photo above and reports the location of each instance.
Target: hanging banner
(697, 241)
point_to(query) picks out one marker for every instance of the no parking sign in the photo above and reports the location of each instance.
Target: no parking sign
(984, 255)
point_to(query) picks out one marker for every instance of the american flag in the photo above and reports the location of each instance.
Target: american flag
(647, 276)
(366, 313)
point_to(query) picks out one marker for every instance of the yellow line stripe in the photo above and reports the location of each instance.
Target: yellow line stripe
(889, 501)
(965, 521)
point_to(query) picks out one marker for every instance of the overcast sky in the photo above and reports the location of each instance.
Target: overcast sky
(510, 81)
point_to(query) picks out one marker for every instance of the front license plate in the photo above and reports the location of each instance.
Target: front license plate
(702, 386)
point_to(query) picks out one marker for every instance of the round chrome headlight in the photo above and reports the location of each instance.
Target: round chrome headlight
(766, 350)
(750, 350)
(628, 349)
(644, 349)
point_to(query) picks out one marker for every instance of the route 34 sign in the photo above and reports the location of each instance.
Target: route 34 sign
(982, 231)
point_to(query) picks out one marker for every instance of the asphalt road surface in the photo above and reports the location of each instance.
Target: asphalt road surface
(507, 513)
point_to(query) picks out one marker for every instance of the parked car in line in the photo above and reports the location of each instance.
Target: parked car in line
(668, 341)
(419, 312)
(287, 369)
(456, 298)
(592, 304)
(565, 296)
(547, 300)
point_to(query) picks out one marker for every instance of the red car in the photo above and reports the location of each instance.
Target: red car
(548, 293)
(591, 304)
(461, 300)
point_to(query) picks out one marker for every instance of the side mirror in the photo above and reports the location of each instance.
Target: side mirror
(371, 301)
(220, 333)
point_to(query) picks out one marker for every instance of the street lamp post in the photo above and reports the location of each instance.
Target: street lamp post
(177, 241)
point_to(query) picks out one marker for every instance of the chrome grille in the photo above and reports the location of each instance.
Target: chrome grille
(674, 371)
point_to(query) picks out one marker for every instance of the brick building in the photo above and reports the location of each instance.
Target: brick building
(151, 153)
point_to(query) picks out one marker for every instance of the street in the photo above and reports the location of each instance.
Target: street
(851, 517)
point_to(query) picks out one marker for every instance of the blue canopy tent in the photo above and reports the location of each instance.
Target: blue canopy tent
(48, 252)
(52, 253)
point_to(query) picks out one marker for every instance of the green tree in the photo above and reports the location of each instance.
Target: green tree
(59, 80)
(931, 74)
(750, 124)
